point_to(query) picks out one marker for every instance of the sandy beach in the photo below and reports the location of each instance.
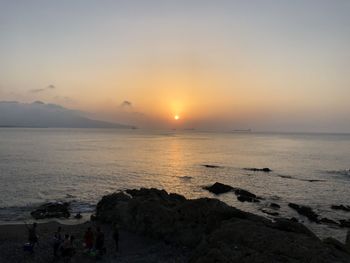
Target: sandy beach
(133, 248)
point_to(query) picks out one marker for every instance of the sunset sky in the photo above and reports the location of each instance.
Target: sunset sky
(265, 65)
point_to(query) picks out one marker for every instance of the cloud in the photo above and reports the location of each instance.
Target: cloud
(49, 87)
(126, 104)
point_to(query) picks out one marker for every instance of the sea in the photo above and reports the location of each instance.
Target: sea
(82, 165)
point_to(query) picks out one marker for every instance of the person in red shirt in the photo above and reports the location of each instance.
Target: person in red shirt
(89, 239)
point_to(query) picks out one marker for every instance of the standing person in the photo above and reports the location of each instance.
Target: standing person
(32, 236)
(72, 245)
(66, 248)
(116, 236)
(57, 240)
(89, 239)
(100, 241)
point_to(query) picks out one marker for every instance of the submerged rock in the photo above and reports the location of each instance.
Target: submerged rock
(341, 207)
(51, 210)
(265, 170)
(305, 211)
(78, 216)
(219, 188)
(214, 231)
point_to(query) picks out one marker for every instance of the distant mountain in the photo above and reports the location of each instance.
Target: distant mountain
(40, 114)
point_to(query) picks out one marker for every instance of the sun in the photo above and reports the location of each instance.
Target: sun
(176, 117)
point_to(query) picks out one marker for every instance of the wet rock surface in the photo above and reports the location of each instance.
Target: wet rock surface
(214, 231)
(51, 210)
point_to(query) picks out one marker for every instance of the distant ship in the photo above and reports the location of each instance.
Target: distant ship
(242, 131)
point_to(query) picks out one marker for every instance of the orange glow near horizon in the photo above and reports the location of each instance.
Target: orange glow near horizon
(176, 117)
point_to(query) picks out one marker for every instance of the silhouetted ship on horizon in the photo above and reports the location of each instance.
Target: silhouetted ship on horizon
(242, 131)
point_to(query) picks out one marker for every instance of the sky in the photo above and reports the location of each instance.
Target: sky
(218, 65)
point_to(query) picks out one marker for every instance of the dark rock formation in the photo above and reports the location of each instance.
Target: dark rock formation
(219, 188)
(305, 211)
(335, 243)
(269, 212)
(51, 210)
(345, 223)
(78, 216)
(328, 221)
(265, 170)
(242, 195)
(211, 166)
(246, 196)
(341, 207)
(214, 231)
(275, 206)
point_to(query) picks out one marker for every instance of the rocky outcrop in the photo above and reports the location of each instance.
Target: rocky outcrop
(246, 196)
(345, 208)
(265, 170)
(328, 221)
(305, 211)
(274, 206)
(51, 210)
(242, 195)
(219, 188)
(269, 211)
(211, 165)
(344, 223)
(214, 231)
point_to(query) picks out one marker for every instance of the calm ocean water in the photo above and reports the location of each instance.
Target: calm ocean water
(82, 165)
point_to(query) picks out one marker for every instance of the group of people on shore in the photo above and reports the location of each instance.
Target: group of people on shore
(65, 247)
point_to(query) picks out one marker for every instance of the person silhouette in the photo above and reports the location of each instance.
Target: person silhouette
(32, 235)
(89, 239)
(57, 240)
(100, 241)
(116, 236)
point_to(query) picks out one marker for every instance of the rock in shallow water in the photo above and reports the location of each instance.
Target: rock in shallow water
(219, 188)
(305, 211)
(265, 170)
(345, 208)
(51, 210)
(275, 206)
(213, 230)
(242, 195)
(211, 165)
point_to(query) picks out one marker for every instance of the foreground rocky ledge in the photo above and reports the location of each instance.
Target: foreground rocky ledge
(214, 231)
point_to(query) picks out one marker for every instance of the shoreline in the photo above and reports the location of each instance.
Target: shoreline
(155, 226)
